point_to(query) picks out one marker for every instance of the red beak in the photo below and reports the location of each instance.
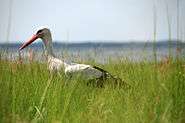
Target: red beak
(34, 37)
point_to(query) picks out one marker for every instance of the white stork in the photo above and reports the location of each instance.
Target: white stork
(70, 69)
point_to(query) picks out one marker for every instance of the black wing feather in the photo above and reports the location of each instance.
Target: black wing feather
(106, 75)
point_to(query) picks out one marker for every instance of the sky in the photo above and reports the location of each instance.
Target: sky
(90, 20)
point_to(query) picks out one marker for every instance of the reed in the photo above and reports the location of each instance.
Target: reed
(169, 31)
(154, 33)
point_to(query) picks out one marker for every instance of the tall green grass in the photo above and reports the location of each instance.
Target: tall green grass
(28, 93)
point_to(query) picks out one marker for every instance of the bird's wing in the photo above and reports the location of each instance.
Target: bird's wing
(76, 68)
(85, 70)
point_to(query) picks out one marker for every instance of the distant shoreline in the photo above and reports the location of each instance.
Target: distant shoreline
(99, 42)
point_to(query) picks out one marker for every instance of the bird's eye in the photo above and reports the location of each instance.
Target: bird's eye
(39, 32)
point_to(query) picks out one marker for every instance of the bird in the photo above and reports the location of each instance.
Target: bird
(92, 73)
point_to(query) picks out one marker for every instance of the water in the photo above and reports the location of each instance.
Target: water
(98, 52)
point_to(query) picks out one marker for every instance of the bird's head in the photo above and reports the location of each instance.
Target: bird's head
(43, 33)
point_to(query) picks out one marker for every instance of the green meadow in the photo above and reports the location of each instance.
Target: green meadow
(28, 93)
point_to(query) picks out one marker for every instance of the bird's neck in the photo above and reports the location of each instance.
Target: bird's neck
(47, 39)
(48, 46)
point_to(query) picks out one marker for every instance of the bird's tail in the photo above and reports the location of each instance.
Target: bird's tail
(116, 80)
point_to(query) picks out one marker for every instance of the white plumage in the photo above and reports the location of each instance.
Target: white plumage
(71, 69)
